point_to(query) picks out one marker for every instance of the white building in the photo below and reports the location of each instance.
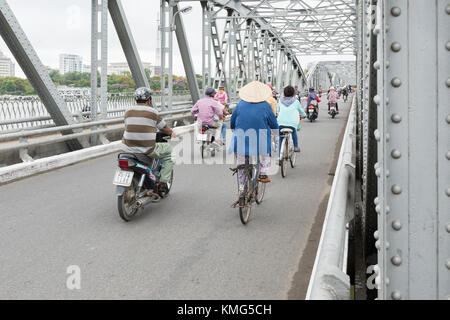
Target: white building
(86, 68)
(7, 67)
(70, 63)
(122, 68)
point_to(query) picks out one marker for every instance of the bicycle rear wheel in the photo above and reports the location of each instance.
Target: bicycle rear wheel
(245, 209)
(293, 158)
(244, 191)
(284, 157)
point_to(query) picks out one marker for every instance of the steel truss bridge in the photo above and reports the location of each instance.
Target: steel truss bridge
(397, 178)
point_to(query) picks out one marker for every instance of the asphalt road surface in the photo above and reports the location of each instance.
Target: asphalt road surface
(190, 246)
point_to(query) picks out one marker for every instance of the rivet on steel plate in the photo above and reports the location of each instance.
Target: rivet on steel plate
(396, 118)
(377, 100)
(396, 82)
(377, 135)
(396, 11)
(396, 154)
(396, 47)
(396, 189)
(396, 295)
(378, 172)
(396, 260)
(396, 225)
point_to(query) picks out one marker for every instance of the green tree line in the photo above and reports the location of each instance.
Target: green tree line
(116, 83)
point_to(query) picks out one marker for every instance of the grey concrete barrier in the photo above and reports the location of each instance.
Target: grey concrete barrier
(329, 280)
(22, 170)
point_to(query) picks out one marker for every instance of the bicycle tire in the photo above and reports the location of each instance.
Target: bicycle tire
(260, 191)
(293, 159)
(244, 211)
(283, 160)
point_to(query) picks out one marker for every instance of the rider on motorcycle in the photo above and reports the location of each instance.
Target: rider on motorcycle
(313, 96)
(141, 125)
(204, 111)
(222, 97)
(333, 97)
(345, 93)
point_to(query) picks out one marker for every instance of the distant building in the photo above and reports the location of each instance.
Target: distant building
(86, 68)
(70, 63)
(7, 67)
(122, 68)
(155, 70)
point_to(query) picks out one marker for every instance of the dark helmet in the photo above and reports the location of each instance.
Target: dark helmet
(311, 89)
(142, 94)
(210, 92)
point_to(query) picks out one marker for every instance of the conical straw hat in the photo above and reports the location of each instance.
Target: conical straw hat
(255, 92)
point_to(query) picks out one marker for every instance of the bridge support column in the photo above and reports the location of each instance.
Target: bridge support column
(413, 149)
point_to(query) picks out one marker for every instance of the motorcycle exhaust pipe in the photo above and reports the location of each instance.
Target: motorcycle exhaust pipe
(151, 198)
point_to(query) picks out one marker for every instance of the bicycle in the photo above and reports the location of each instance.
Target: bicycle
(287, 151)
(250, 189)
(207, 140)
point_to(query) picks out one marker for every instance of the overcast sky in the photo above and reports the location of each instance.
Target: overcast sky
(63, 26)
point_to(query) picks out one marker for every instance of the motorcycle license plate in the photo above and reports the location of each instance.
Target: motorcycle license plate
(123, 178)
(202, 137)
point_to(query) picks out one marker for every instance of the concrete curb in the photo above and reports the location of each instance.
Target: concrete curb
(22, 170)
(26, 169)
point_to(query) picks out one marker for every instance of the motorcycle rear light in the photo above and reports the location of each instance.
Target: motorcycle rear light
(126, 163)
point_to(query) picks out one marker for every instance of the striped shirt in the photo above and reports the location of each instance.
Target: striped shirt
(141, 125)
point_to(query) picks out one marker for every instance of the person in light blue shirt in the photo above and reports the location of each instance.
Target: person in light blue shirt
(289, 111)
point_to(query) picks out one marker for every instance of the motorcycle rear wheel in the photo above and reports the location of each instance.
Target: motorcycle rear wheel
(203, 149)
(127, 214)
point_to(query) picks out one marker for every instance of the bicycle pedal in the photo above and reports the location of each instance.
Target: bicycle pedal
(234, 205)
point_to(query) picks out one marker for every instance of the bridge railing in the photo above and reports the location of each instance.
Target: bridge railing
(14, 141)
(329, 279)
(30, 113)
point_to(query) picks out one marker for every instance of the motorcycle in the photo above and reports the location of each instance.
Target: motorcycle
(207, 139)
(137, 180)
(333, 111)
(312, 112)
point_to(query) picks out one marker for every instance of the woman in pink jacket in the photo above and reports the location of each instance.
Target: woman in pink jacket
(333, 97)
